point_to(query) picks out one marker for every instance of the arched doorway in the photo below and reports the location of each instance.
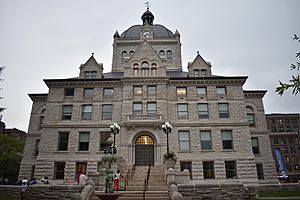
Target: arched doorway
(144, 150)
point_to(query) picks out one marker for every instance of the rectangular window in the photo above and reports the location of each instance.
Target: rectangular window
(285, 150)
(188, 166)
(227, 139)
(84, 140)
(37, 147)
(108, 92)
(137, 90)
(181, 91)
(201, 91)
(59, 170)
(250, 117)
(255, 146)
(205, 137)
(196, 73)
(296, 167)
(86, 112)
(107, 112)
(203, 72)
(151, 108)
(275, 141)
(66, 112)
(293, 150)
(93, 74)
(203, 111)
(223, 110)
(208, 169)
(184, 140)
(182, 111)
(88, 92)
(151, 90)
(288, 168)
(87, 74)
(63, 140)
(103, 140)
(137, 108)
(221, 91)
(286, 159)
(295, 159)
(260, 171)
(69, 92)
(230, 167)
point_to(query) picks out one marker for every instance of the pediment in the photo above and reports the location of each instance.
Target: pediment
(91, 64)
(199, 62)
(145, 52)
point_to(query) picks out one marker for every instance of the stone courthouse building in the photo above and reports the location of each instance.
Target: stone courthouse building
(219, 130)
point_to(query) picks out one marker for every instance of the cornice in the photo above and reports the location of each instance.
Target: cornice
(222, 82)
(254, 93)
(144, 80)
(38, 97)
(82, 83)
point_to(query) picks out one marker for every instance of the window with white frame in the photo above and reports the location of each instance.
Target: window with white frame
(206, 142)
(184, 140)
(203, 112)
(86, 112)
(223, 110)
(227, 139)
(182, 111)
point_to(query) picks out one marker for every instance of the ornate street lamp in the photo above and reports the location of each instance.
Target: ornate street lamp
(167, 128)
(114, 129)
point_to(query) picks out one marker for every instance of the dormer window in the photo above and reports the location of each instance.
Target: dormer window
(93, 74)
(203, 72)
(90, 74)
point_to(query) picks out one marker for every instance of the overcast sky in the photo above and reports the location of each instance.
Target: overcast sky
(50, 39)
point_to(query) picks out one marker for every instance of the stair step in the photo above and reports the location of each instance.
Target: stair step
(128, 195)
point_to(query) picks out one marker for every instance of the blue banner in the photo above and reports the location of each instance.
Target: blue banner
(282, 168)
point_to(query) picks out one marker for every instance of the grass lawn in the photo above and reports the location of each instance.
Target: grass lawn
(292, 193)
(8, 198)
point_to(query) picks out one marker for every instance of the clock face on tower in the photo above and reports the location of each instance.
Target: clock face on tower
(146, 34)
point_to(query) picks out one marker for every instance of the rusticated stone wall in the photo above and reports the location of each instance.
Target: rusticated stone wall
(45, 192)
(217, 191)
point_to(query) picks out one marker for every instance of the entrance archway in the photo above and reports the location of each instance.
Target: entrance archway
(144, 150)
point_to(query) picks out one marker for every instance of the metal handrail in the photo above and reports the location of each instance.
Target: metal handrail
(146, 182)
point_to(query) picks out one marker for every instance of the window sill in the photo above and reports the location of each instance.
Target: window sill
(228, 150)
(82, 152)
(185, 151)
(61, 151)
(204, 151)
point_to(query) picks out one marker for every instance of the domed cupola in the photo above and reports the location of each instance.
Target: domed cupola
(147, 17)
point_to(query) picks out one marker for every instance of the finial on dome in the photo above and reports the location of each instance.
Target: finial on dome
(147, 4)
(147, 17)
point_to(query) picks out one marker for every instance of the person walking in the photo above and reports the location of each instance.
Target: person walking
(117, 180)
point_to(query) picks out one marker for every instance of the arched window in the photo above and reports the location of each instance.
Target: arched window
(169, 57)
(42, 118)
(145, 65)
(124, 54)
(161, 53)
(144, 139)
(153, 70)
(135, 72)
(131, 53)
(250, 115)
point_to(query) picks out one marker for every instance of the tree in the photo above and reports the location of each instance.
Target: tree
(293, 83)
(10, 156)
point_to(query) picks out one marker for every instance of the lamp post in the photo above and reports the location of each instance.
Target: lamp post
(167, 128)
(114, 129)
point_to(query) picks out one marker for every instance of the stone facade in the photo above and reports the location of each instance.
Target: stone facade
(147, 87)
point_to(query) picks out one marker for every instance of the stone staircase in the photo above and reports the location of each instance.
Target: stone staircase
(157, 186)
